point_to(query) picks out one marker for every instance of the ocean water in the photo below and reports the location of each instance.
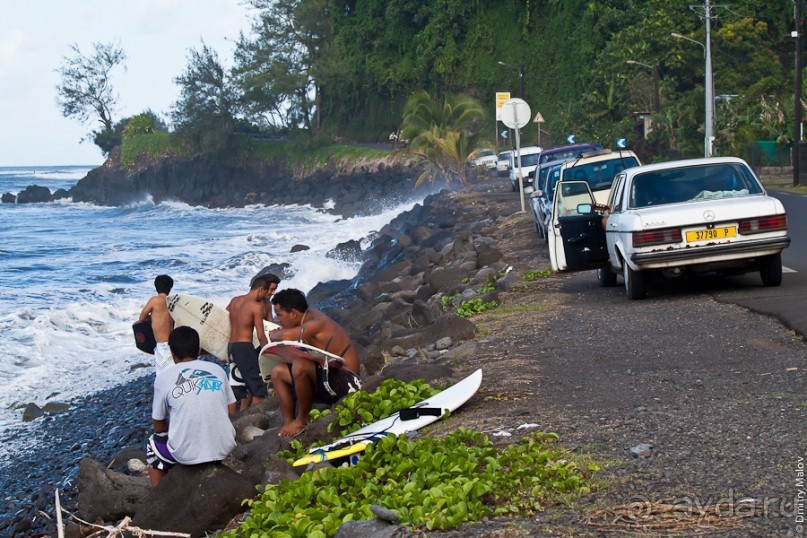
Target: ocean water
(74, 276)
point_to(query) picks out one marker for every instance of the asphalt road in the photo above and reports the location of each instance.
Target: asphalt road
(787, 302)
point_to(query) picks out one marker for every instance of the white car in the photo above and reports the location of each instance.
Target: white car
(503, 164)
(486, 158)
(697, 216)
(529, 160)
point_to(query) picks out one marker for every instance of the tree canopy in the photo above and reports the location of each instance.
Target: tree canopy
(85, 91)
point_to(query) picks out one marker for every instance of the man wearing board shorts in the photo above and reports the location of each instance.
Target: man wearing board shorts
(246, 316)
(298, 385)
(199, 399)
(156, 309)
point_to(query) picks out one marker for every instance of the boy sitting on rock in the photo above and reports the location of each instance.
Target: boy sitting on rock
(199, 398)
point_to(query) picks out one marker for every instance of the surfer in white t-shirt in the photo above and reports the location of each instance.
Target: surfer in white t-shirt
(299, 384)
(199, 399)
(161, 322)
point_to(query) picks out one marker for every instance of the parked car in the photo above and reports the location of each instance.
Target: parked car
(564, 153)
(529, 160)
(503, 164)
(485, 158)
(598, 168)
(694, 216)
(540, 193)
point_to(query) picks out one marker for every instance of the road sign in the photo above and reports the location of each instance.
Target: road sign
(570, 139)
(503, 134)
(538, 118)
(501, 97)
(516, 113)
(621, 143)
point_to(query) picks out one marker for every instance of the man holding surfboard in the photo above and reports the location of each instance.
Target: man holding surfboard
(246, 316)
(304, 381)
(162, 324)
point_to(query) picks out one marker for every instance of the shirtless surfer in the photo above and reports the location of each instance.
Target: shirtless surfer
(246, 316)
(162, 324)
(303, 381)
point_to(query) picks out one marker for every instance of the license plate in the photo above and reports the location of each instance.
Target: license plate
(707, 234)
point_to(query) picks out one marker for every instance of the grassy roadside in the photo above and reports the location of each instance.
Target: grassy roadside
(784, 184)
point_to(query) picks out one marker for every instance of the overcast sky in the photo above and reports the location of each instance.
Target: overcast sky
(35, 35)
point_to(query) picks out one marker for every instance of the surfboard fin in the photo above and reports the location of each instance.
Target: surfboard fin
(414, 413)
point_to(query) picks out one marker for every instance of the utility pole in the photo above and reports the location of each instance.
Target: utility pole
(797, 91)
(709, 87)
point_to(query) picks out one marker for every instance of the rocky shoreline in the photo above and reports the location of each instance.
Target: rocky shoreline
(345, 187)
(392, 309)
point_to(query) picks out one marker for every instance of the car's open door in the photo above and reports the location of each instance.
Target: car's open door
(576, 235)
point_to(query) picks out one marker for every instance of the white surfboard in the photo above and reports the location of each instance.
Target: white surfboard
(211, 321)
(448, 400)
(283, 351)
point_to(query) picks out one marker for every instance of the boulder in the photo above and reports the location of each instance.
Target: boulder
(194, 499)
(107, 495)
(433, 374)
(9, 198)
(349, 251)
(299, 248)
(34, 194)
(32, 412)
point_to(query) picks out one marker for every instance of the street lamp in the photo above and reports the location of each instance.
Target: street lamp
(709, 90)
(520, 70)
(654, 68)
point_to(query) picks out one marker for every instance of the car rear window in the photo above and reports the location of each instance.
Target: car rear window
(705, 182)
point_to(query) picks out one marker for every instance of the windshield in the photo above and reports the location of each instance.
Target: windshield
(531, 159)
(552, 179)
(600, 174)
(723, 180)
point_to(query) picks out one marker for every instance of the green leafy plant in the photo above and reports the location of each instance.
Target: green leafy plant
(531, 276)
(472, 307)
(490, 285)
(436, 484)
(446, 300)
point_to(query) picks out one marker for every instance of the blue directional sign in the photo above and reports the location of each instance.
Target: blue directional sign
(621, 143)
(570, 139)
(503, 134)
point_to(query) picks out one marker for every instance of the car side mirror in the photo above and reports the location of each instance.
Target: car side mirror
(585, 209)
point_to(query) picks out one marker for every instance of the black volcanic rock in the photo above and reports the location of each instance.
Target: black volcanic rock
(34, 194)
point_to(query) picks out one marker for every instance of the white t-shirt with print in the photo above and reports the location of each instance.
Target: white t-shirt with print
(197, 393)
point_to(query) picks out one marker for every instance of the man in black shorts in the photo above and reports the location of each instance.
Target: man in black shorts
(246, 318)
(304, 381)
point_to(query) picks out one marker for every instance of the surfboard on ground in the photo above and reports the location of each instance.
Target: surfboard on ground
(406, 420)
(211, 321)
(144, 336)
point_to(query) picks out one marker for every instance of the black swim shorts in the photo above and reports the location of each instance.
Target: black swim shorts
(340, 380)
(245, 357)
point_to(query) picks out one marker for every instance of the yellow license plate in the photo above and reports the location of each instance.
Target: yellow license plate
(707, 234)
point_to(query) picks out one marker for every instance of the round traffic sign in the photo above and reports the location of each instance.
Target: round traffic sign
(516, 113)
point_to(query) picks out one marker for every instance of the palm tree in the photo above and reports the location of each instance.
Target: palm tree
(445, 134)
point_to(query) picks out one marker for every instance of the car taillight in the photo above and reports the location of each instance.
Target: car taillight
(763, 224)
(656, 237)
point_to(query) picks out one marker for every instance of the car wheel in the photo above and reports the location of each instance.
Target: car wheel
(634, 282)
(770, 270)
(515, 186)
(605, 277)
(538, 230)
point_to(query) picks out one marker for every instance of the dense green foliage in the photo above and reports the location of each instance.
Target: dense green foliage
(372, 55)
(431, 483)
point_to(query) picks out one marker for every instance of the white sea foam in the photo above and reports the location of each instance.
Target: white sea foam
(74, 276)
